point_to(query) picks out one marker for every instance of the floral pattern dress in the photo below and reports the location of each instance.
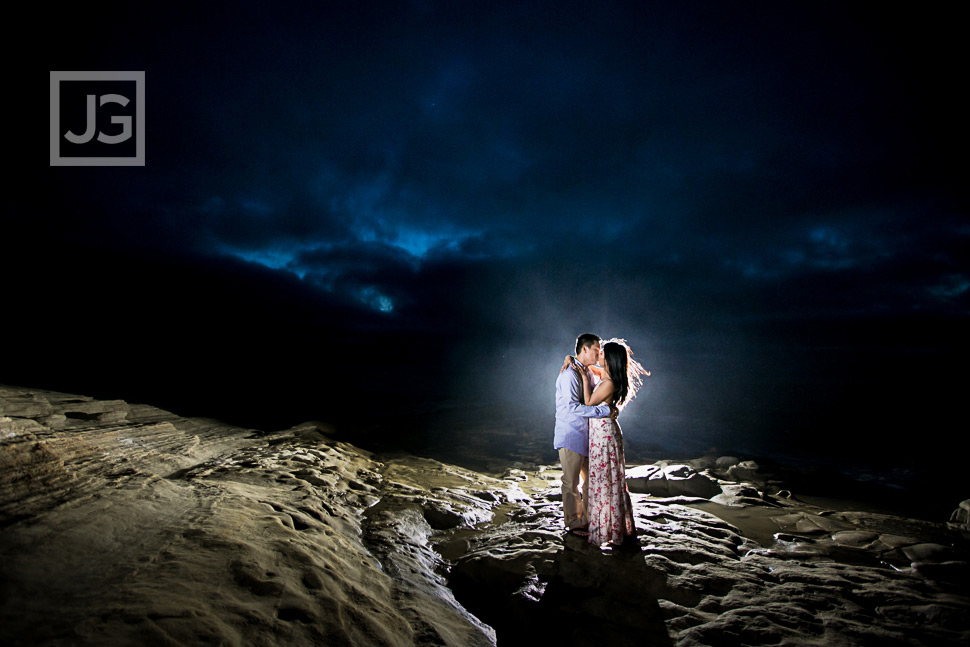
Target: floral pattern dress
(610, 507)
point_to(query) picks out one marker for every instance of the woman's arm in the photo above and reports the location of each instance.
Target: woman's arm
(602, 394)
(566, 363)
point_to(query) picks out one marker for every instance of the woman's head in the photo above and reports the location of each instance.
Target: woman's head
(616, 363)
(624, 370)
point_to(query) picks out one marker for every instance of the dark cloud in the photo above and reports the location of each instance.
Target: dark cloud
(453, 193)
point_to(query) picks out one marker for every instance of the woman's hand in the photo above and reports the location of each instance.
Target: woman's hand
(566, 363)
(582, 373)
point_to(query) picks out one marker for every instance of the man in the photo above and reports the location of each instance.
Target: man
(572, 434)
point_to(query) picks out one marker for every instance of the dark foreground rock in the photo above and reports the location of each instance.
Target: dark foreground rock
(122, 524)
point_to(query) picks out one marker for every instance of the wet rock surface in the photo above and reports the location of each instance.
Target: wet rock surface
(122, 524)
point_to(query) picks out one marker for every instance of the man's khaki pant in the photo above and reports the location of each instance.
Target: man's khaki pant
(575, 469)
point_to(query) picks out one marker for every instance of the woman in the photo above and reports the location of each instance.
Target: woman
(609, 505)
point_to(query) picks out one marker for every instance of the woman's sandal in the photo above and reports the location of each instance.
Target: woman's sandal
(579, 532)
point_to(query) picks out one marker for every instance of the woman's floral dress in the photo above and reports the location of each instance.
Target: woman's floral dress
(610, 508)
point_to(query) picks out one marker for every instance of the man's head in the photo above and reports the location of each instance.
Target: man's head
(587, 348)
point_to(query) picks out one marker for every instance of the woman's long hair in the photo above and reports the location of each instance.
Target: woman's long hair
(625, 371)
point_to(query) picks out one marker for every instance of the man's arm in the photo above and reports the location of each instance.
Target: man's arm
(576, 406)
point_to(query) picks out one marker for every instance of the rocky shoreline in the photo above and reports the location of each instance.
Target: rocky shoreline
(123, 524)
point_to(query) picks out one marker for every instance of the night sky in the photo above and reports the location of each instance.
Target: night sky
(355, 210)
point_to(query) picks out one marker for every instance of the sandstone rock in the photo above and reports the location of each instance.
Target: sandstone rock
(961, 516)
(892, 541)
(11, 427)
(190, 531)
(743, 471)
(24, 404)
(157, 529)
(952, 572)
(928, 553)
(671, 481)
(739, 495)
(855, 538)
(56, 407)
(102, 411)
(643, 472)
(805, 523)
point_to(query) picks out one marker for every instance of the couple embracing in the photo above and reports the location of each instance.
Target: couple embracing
(591, 389)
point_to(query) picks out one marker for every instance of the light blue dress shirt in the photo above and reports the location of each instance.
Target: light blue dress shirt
(572, 417)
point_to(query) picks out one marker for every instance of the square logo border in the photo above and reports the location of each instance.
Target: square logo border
(139, 157)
